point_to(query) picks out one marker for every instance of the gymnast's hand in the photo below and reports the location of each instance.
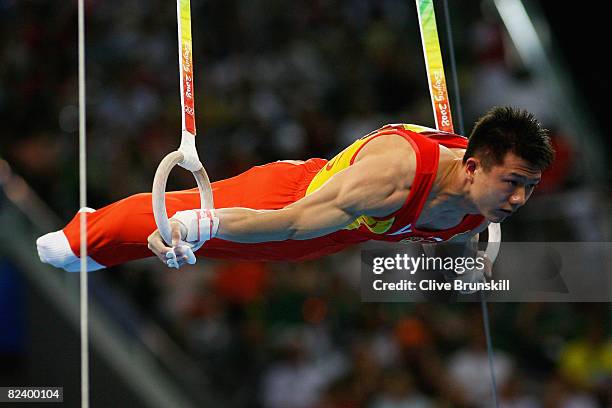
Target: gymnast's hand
(189, 230)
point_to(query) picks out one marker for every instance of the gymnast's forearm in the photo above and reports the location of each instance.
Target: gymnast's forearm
(293, 222)
(249, 226)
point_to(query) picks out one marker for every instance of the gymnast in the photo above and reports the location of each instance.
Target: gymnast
(400, 183)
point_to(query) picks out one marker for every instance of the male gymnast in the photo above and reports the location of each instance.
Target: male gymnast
(400, 183)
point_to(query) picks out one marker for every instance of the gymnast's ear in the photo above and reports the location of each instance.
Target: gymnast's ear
(470, 167)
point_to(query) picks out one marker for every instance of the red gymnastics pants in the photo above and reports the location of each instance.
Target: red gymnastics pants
(118, 232)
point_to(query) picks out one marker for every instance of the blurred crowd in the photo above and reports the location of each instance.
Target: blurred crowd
(291, 80)
(280, 336)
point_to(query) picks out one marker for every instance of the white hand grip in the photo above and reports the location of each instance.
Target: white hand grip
(159, 192)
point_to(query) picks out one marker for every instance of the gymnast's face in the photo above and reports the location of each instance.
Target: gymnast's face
(499, 191)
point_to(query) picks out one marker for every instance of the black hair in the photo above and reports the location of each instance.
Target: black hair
(504, 130)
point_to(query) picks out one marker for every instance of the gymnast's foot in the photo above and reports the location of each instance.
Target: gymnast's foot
(54, 249)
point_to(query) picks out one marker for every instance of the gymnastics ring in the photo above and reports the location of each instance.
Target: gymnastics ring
(494, 243)
(159, 192)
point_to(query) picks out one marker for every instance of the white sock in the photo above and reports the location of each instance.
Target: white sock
(54, 248)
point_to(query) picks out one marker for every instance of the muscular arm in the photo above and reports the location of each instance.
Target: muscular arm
(372, 186)
(376, 184)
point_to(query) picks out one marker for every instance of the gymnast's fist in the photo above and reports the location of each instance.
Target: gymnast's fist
(190, 230)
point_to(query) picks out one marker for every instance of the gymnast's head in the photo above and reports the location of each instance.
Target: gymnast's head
(507, 151)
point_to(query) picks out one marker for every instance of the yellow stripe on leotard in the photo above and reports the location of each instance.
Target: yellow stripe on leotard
(340, 162)
(415, 128)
